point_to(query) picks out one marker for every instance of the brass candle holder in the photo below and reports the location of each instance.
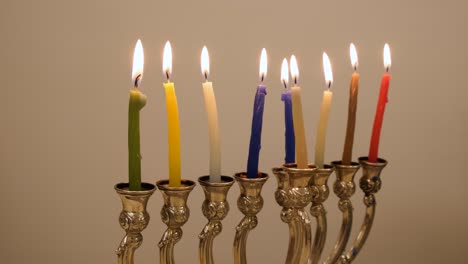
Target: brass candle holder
(370, 183)
(250, 203)
(215, 208)
(318, 185)
(174, 214)
(293, 195)
(344, 188)
(133, 219)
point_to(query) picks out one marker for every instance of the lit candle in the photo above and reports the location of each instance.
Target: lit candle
(173, 125)
(257, 121)
(137, 102)
(212, 113)
(299, 130)
(352, 107)
(379, 114)
(290, 147)
(324, 112)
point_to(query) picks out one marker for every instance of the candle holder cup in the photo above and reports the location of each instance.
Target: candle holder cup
(215, 208)
(250, 203)
(133, 219)
(174, 214)
(293, 195)
(370, 183)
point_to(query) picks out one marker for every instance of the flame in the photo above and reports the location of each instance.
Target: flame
(327, 70)
(387, 57)
(353, 55)
(294, 69)
(205, 62)
(284, 72)
(167, 59)
(138, 61)
(263, 64)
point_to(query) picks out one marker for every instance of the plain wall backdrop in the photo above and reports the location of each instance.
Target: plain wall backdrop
(65, 69)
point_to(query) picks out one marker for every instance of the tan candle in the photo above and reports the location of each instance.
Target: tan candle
(352, 107)
(299, 130)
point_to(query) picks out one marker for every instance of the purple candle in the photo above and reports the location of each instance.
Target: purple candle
(257, 121)
(290, 142)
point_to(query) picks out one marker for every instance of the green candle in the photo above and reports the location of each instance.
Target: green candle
(137, 102)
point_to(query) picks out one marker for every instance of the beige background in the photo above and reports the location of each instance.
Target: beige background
(65, 70)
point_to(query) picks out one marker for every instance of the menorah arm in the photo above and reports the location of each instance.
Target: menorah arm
(240, 240)
(346, 208)
(318, 211)
(369, 201)
(127, 248)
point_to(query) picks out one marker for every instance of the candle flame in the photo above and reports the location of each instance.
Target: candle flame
(327, 70)
(167, 60)
(205, 62)
(387, 57)
(285, 73)
(353, 55)
(138, 61)
(294, 69)
(263, 64)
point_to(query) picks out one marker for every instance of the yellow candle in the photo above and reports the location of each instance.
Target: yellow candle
(299, 130)
(173, 125)
(324, 113)
(212, 113)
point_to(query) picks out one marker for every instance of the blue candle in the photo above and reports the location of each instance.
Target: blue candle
(257, 121)
(290, 141)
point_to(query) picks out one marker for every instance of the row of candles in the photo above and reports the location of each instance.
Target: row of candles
(295, 137)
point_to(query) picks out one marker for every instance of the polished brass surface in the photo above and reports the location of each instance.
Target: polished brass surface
(215, 208)
(133, 219)
(174, 214)
(293, 194)
(250, 202)
(318, 185)
(370, 184)
(344, 188)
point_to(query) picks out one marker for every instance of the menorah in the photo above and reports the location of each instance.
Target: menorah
(297, 188)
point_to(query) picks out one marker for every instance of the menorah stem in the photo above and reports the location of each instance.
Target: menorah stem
(370, 183)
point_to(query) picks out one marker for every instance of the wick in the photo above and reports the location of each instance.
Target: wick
(262, 78)
(137, 81)
(206, 76)
(329, 84)
(167, 76)
(387, 69)
(285, 84)
(295, 80)
(355, 67)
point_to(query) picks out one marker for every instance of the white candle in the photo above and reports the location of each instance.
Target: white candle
(212, 113)
(299, 130)
(324, 112)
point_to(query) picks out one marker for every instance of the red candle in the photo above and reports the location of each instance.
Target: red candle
(379, 114)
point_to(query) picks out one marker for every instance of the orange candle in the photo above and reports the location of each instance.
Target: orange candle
(352, 107)
(379, 114)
